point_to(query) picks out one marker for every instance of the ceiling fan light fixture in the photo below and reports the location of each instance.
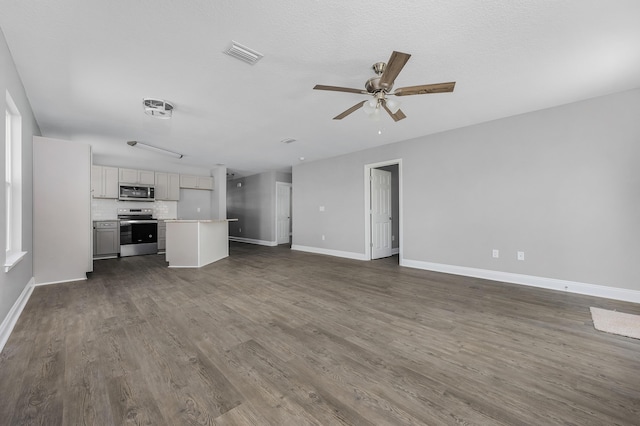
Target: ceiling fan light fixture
(375, 115)
(392, 105)
(370, 106)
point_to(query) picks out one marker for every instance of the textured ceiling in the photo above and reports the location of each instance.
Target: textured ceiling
(87, 64)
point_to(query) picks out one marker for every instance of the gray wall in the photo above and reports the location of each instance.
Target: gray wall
(254, 204)
(193, 199)
(14, 282)
(562, 185)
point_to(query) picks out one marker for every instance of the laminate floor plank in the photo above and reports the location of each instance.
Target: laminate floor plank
(343, 366)
(128, 387)
(86, 399)
(277, 374)
(258, 395)
(182, 373)
(270, 336)
(40, 399)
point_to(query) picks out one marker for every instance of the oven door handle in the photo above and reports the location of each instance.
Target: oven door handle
(128, 222)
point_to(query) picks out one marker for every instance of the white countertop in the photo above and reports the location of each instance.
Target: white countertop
(199, 220)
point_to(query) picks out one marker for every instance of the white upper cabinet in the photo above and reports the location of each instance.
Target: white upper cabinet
(196, 182)
(167, 186)
(143, 177)
(173, 190)
(104, 182)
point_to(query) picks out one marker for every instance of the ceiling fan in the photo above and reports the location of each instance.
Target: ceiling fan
(380, 87)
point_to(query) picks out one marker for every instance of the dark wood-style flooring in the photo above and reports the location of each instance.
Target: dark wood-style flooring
(271, 336)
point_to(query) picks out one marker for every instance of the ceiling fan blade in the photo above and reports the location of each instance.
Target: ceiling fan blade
(339, 89)
(349, 111)
(393, 68)
(399, 115)
(425, 89)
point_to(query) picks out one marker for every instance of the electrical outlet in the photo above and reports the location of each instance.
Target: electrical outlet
(520, 255)
(322, 237)
(239, 229)
(393, 238)
(198, 209)
(496, 253)
(321, 208)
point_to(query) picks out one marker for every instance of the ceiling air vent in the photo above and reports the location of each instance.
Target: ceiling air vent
(243, 53)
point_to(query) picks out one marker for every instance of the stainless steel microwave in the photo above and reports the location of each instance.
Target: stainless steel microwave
(136, 193)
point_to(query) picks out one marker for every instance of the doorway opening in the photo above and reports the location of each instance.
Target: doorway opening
(283, 213)
(383, 210)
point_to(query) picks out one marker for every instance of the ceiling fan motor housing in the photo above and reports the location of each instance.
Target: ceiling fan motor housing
(373, 86)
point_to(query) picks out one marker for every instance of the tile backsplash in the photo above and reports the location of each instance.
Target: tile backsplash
(107, 209)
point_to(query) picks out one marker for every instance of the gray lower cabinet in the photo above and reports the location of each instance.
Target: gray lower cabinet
(106, 239)
(162, 236)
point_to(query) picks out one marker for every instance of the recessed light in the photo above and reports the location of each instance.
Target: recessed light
(301, 158)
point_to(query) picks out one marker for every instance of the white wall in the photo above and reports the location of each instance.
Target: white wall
(561, 184)
(14, 282)
(62, 210)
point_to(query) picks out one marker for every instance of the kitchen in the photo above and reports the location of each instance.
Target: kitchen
(131, 208)
(65, 208)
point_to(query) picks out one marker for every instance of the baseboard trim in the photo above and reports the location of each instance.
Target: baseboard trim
(615, 293)
(336, 253)
(14, 313)
(252, 241)
(61, 282)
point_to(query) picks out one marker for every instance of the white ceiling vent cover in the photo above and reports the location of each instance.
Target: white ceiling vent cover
(243, 53)
(157, 108)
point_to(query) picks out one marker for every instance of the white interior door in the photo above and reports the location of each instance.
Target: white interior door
(380, 214)
(283, 212)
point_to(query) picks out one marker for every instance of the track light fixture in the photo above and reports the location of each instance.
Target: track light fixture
(154, 149)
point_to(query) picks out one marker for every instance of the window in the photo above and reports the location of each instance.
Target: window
(7, 176)
(13, 184)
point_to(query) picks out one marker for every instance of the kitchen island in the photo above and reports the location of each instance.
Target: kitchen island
(196, 243)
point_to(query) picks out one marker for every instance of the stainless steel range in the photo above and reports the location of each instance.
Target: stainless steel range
(138, 232)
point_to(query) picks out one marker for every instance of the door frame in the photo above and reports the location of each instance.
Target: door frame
(367, 206)
(290, 186)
